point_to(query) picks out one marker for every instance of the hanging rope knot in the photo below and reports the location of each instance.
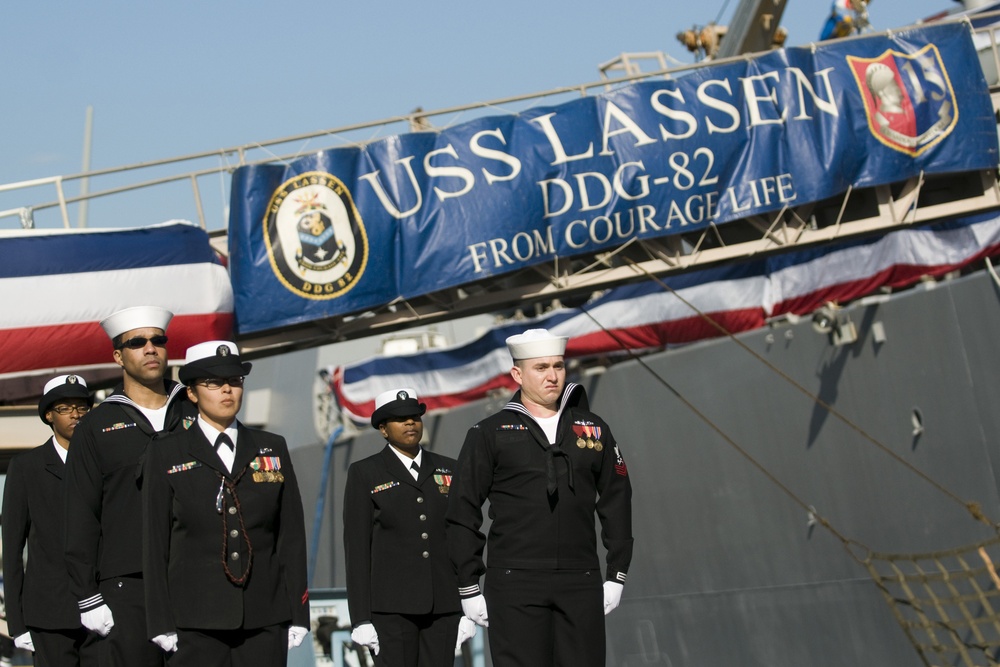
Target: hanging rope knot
(976, 510)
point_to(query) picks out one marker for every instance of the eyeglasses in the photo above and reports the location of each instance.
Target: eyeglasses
(218, 383)
(70, 409)
(139, 342)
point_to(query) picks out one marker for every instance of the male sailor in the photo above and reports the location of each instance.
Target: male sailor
(547, 464)
(104, 481)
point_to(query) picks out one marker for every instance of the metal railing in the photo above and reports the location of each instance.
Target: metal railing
(194, 168)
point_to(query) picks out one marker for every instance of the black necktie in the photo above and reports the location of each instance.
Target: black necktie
(414, 467)
(224, 439)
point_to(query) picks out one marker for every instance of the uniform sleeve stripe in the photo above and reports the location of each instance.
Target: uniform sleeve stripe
(92, 602)
(468, 591)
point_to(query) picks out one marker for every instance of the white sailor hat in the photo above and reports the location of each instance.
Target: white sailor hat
(213, 359)
(397, 403)
(138, 317)
(60, 387)
(536, 343)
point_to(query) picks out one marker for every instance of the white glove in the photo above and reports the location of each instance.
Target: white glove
(475, 609)
(466, 630)
(296, 633)
(612, 596)
(167, 642)
(24, 641)
(365, 635)
(98, 620)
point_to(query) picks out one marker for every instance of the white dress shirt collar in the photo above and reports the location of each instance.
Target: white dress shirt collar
(60, 450)
(227, 455)
(406, 460)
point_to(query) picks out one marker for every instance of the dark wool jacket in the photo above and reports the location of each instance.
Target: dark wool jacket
(507, 460)
(394, 537)
(103, 489)
(200, 520)
(37, 595)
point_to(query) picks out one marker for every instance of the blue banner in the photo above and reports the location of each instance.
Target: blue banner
(346, 230)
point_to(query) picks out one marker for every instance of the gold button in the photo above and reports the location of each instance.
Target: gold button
(235, 555)
(232, 510)
(234, 533)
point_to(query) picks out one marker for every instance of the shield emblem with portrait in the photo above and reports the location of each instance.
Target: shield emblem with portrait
(908, 99)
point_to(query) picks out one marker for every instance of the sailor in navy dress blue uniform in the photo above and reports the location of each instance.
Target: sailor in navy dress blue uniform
(402, 591)
(103, 481)
(42, 614)
(223, 531)
(547, 464)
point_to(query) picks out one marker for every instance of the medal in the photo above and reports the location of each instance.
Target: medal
(581, 443)
(590, 443)
(595, 440)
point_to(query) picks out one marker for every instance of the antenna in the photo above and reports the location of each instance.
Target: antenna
(88, 131)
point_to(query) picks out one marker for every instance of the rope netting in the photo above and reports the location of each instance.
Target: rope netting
(946, 602)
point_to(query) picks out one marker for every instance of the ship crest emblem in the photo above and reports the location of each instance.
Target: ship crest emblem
(909, 101)
(316, 241)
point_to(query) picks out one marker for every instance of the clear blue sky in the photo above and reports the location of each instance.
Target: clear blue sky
(172, 78)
